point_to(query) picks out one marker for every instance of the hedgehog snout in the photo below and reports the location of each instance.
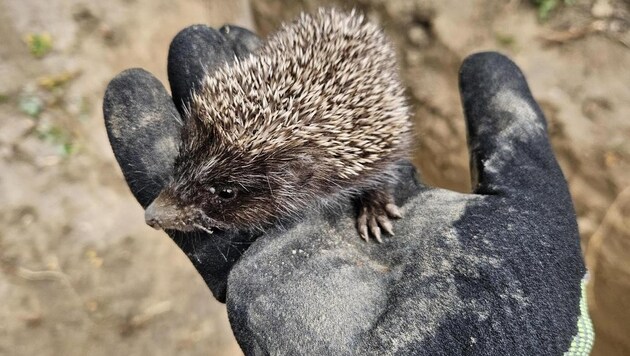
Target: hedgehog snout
(161, 215)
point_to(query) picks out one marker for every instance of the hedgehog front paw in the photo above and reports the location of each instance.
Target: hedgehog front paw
(376, 208)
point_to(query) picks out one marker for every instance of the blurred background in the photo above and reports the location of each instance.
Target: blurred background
(80, 272)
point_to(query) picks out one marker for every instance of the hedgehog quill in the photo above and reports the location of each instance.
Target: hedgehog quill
(316, 115)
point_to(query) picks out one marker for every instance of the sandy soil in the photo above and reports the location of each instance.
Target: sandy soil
(80, 273)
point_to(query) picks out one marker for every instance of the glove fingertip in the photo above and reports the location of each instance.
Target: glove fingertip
(485, 73)
(143, 128)
(193, 52)
(245, 41)
(507, 131)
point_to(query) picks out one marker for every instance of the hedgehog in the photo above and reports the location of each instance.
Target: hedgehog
(316, 115)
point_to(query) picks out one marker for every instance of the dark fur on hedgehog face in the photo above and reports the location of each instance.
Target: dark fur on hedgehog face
(216, 186)
(224, 191)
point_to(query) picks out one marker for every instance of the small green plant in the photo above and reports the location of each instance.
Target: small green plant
(545, 7)
(55, 81)
(505, 40)
(39, 44)
(58, 137)
(67, 149)
(31, 105)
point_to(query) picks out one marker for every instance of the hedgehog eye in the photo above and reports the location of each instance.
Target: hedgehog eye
(227, 193)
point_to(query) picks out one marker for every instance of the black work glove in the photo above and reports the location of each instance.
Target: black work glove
(490, 273)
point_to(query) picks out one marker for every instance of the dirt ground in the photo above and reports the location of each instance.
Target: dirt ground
(80, 273)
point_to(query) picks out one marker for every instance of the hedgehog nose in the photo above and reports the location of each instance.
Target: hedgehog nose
(163, 214)
(152, 216)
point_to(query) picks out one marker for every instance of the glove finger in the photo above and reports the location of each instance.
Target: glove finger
(507, 132)
(244, 40)
(199, 49)
(143, 127)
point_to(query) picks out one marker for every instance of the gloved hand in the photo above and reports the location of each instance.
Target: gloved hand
(490, 273)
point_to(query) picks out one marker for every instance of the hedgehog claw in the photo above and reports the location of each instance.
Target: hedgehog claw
(364, 233)
(386, 225)
(376, 210)
(362, 224)
(375, 230)
(393, 211)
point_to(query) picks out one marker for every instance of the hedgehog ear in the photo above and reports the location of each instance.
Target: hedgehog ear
(196, 130)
